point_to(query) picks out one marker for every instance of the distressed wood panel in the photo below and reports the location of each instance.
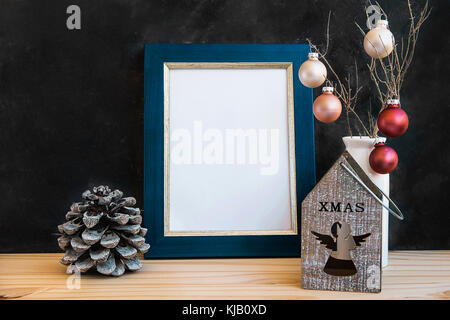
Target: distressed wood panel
(343, 196)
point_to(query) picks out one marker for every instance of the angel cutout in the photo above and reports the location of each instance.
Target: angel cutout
(340, 262)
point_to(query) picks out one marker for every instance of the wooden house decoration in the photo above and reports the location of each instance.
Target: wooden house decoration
(341, 231)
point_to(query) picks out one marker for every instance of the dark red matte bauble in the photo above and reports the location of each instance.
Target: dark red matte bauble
(393, 121)
(383, 159)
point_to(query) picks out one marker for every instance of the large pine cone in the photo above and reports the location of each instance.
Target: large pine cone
(103, 231)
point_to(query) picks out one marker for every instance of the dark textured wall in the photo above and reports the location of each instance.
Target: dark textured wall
(71, 102)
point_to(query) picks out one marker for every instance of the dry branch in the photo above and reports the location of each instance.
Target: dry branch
(387, 74)
(343, 90)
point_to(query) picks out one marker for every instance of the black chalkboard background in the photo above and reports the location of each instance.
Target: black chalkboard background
(71, 102)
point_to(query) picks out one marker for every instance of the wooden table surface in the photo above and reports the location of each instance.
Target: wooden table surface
(410, 275)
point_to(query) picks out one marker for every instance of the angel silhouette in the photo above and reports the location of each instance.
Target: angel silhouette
(340, 262)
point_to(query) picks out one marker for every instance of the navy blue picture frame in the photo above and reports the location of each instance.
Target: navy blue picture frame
(219, 246)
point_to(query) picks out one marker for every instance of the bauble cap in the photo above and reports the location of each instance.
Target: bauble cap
(382, 23)
(327, 89)
(313, 55)
(393, 101)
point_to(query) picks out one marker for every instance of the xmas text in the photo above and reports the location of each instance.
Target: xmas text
(326, 206)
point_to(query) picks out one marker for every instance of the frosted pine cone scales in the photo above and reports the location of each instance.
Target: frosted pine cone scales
(103, 232)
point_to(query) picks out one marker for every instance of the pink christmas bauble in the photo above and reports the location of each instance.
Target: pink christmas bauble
(327, 107)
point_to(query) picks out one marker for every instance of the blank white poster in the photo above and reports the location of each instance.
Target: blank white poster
(228, 151)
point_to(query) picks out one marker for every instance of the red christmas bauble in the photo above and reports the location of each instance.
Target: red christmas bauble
(393, 121)
(383, 159)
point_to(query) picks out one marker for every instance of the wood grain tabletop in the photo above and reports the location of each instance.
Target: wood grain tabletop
(410, 275)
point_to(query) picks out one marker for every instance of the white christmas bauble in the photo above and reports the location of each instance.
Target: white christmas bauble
(379, 42)
(312, 72)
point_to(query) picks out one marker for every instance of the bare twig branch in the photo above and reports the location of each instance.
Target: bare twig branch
(343, 90)
(327, 34)
(388, 74)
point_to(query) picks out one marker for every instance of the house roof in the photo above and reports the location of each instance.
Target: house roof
(351, 164)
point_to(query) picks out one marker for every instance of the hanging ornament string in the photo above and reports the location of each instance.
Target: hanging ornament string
(397, 213)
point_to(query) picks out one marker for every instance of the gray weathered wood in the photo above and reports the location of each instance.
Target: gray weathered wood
(339, 188)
